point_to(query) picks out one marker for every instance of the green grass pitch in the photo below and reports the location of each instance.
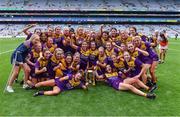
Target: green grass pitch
(100, 100)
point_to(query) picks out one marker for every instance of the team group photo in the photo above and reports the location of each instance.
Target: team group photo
(89, 58)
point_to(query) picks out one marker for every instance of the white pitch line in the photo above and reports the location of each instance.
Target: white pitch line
(173, 49)
(6, 52)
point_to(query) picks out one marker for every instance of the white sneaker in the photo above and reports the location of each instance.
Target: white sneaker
(25, 86)
(9, 89)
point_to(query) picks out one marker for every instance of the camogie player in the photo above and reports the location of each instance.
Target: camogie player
(110, 50)
(57, 63)
(93, 55)
(133, 32)
(66, 42)
(154, 57)
(115, 36)
(117, 82)
(43, 38)
(42, 67)
(124, 37)
(57, 32)
(80, 36)
(50, 45)
(154, 42)
(68, 82)
(18, 60)
(84, 51)
(31, 61)
(134, 67)
(101, 63)
(118, 65)
(92, 63)
(29, 34)
(143, 56)
(75, 65)
(50, 32)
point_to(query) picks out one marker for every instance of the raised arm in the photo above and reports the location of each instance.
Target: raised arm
(25, 30)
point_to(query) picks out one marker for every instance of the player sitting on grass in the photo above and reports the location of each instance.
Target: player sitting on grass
(118, 83)
(68, 82)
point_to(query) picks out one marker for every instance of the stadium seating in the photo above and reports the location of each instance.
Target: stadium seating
(126, 5)
(10, 29)
(98, 5)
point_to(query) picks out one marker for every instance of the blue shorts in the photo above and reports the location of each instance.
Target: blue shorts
(17, 58)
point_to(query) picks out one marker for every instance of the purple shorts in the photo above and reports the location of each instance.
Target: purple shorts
(148, 62)
(59, 84)
(114, 82)
(155, 58)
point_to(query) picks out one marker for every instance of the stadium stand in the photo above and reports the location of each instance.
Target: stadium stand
(130, 5)
(146, 15)
(11, 29)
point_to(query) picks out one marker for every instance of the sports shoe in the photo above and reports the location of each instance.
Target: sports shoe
(36, 94)
(151, 95)
(159, 61)
(154, 87)
(149, 83)
(25, 86)
(9, 89)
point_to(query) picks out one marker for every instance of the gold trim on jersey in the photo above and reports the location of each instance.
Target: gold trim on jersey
(129, 39)
(74, 83)
(134, 54)
(35, 54)
(43, 62)
(85, 53)
(102, 58)
(109, 75)
(109, 53)
(94, 52)
(119, 64)
(131, 63)
(53, 59)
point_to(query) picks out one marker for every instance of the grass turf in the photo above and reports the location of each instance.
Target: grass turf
(100, 100)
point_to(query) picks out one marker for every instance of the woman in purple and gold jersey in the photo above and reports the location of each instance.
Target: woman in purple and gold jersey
(68, 82)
